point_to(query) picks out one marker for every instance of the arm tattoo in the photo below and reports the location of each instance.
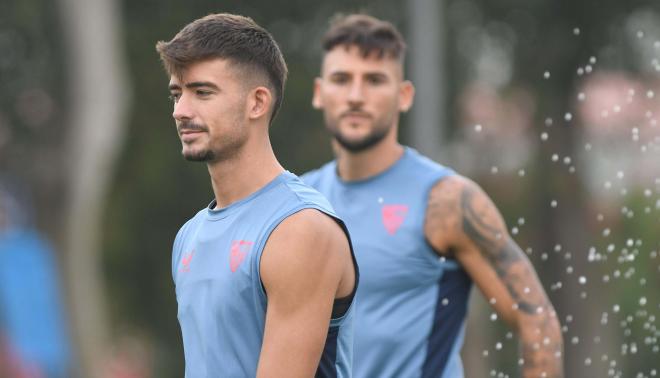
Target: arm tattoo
(482, 224)
(503, 253)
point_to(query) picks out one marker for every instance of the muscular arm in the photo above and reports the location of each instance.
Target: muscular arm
(305, 265)
(462, 219)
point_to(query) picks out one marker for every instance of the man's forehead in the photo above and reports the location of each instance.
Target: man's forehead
(352, 59)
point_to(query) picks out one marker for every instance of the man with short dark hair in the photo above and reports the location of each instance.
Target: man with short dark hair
(422, 233)
(265, 275)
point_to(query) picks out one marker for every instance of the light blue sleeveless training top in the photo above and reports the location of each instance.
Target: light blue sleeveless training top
(411, 304)
(221, 300)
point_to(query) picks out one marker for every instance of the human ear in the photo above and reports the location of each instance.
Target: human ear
(316, 98)
(406, 95)
(259, 102)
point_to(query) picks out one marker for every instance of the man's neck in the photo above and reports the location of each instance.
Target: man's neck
(353, 166)
(244, 174)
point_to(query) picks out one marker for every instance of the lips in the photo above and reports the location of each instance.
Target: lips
(188, 132)
(189, 135)
(355, 115)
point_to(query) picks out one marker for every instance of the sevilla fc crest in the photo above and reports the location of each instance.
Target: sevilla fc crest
(393, 217)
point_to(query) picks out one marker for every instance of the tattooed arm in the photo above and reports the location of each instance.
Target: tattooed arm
(462, 220)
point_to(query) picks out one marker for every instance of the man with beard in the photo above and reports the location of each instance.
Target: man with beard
(265, 274)
(422, 233)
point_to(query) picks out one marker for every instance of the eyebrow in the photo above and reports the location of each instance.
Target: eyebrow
(195, 84)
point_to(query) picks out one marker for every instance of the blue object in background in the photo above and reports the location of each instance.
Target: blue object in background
(31, 314)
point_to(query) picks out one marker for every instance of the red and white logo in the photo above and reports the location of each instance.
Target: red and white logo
(239, 249)
(393, 217)
(185, 261)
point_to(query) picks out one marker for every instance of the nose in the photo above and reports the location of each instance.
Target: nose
(182, 109)
(356, 92)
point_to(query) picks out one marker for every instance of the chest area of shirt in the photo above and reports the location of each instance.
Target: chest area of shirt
(222, 257)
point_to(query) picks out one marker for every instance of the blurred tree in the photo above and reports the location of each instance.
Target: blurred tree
(99, 95)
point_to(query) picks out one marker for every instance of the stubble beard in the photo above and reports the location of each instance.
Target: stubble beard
(377, 134)
(211, 153)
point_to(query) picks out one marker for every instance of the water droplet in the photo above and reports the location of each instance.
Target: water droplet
(640, 34)
(580, 71)
(514, 231)
(568, 116)
(492, 301)
(494, 170)
(569, 269)
(521, 221)
(575, 340)
(498, 346)
(521, 172)
(576, 31)
(650, 94)
(592, 60)
(567, 160)
(587, 146)
(616, 308)
(582, 280)
(619, 175)
(607, 184)
(642, 301)
(553, 203)
(493, 317)
(544, 136)
(546, 75)
(606, 232)
(581, 96)
(588, 68)
(445, 301)
(555, 157)
(548, 122)
(587, 362)
(477, 128)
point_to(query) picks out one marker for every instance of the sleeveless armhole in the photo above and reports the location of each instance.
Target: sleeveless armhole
(340, 305)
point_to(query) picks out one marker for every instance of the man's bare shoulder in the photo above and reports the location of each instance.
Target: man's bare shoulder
(446, 209)
(305, 243)
(309, 226)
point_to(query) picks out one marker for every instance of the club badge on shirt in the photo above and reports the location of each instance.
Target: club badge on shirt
(239, 249)
(393, 217)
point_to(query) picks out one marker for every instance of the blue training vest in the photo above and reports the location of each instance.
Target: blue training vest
(221, 300)
(411, 303)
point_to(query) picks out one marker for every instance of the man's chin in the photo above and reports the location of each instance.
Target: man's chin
(358, 145)
(198, 156)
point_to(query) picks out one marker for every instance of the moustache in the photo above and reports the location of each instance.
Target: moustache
(190, 126)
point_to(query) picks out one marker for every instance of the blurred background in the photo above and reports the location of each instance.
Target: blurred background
(550, 105)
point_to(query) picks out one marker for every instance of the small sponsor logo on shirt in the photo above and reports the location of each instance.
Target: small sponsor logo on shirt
(185, 261)
(393, 217)
(239, 249)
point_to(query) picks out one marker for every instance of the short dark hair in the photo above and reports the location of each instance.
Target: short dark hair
(227, 36)
(368, 33)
